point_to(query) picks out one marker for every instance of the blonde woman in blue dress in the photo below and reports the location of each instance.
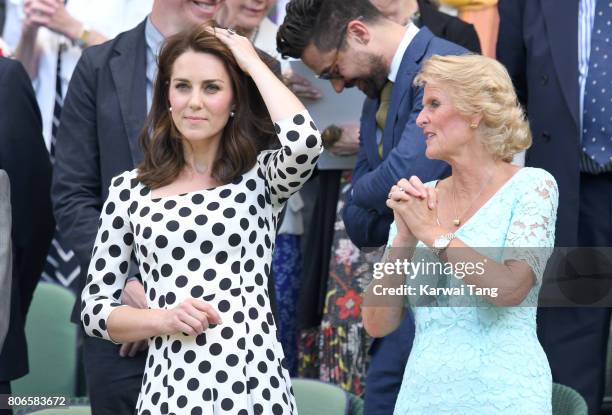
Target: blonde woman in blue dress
(472, 354)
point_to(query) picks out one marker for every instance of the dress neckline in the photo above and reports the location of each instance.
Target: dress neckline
(493, 196)
(191, 192)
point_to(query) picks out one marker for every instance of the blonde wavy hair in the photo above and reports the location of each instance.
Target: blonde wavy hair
(481, 85)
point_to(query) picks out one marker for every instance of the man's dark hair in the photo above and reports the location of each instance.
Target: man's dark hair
(320, 22)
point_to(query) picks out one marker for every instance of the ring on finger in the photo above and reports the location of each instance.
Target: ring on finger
(231, 31)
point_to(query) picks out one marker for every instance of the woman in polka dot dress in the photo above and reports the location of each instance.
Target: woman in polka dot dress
(199, 217)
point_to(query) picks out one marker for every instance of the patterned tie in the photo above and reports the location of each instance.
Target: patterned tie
(383, 110)
(59, 101)
(597, 122)
(61, 265)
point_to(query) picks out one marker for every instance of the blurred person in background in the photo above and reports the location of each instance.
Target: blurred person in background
(350, 43)
(426, 13)
(6, 255)
(4, 49)
(24, 158)
(48, 37)
(557, 54)
(485, 18)
(104, 111)
(335, 277)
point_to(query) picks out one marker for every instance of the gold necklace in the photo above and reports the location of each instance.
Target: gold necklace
(457, 220)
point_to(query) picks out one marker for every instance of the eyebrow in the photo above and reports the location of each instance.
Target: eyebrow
(204, 81)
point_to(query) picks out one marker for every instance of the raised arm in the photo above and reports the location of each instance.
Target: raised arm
(280, 101)
(289, 167)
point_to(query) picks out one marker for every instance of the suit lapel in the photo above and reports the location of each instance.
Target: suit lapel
(561, 17)
(128, 69)
(368, 131)
(402, 89)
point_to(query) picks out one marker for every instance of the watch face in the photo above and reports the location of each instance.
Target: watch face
(441, 242)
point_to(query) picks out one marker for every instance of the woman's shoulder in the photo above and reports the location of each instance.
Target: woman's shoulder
(124, 179)
(535, 177)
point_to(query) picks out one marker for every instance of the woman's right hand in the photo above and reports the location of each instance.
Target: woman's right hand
(191, 317)
(241, 47)
(397, 195)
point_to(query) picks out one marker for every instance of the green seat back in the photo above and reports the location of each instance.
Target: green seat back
(566, 401)
(52, 341)
(314, 397)
(69, 410)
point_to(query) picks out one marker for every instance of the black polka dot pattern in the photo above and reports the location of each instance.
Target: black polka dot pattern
(213, 245)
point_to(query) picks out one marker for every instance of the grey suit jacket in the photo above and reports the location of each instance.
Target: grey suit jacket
(6, 255)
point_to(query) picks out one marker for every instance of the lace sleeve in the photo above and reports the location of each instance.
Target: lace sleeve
(531, 235)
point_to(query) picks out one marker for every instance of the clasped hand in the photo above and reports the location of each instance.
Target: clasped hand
(51, 14)
(415, 209)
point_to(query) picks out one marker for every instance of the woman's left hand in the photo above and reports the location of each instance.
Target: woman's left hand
(241, 47)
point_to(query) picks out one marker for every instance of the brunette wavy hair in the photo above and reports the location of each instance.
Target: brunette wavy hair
(246, 134)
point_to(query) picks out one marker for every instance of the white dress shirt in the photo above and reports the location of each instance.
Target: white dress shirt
(109, 17)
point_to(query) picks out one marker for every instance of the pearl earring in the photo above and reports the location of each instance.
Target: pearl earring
(170, 109)
(232, 113)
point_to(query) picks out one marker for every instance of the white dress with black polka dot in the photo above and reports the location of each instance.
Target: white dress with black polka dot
(215, 245)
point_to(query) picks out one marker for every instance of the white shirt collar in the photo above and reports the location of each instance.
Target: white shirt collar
(411, 32)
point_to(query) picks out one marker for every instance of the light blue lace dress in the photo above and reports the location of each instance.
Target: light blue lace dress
(477, 358)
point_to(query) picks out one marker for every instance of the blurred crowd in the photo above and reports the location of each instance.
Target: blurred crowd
(76, 84)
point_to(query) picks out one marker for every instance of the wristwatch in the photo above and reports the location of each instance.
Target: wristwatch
(442, 242)
(81, 41)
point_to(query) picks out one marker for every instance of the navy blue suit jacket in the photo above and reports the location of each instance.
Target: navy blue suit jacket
(366, 215)
(538, 44)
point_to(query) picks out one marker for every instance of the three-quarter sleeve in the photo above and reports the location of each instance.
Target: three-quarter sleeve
(531, 235)
(109, 266)
(289, 167)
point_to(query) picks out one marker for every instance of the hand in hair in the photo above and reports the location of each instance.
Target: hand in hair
(241, 47)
